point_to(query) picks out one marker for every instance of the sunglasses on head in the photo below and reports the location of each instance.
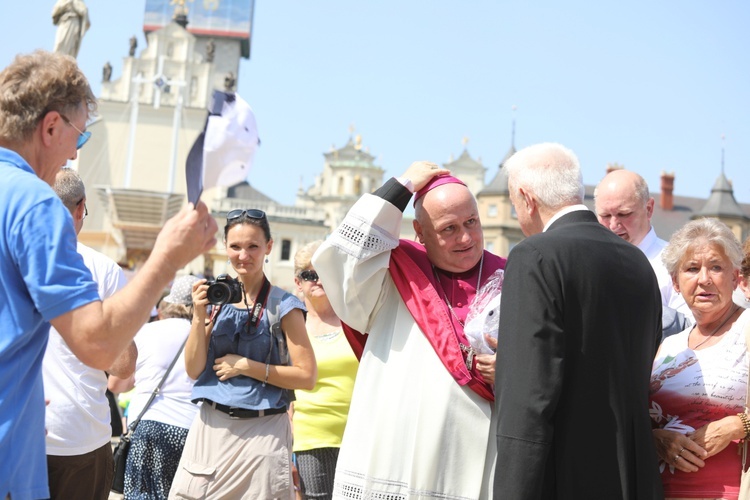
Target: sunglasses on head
(252, 213)
(309, 276)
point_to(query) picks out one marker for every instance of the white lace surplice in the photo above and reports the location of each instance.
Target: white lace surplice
(412, 431)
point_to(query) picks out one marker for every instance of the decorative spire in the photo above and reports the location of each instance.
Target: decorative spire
(512, 149)
(721, 202)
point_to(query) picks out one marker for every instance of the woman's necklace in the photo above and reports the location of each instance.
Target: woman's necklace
(734, 310)
(448, 302)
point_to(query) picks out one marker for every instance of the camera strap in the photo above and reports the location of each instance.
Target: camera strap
(215, 310)
(260, 302)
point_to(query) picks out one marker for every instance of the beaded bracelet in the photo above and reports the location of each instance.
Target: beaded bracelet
(745, 424)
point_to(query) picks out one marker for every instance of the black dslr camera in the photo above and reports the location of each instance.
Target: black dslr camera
(224, 290)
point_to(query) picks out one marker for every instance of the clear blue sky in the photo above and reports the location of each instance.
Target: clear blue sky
(652, 85)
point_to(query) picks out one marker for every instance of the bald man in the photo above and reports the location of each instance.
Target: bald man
(422, 401)
(624, 205)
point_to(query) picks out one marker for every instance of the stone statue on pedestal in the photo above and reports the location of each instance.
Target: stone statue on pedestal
(106, 72)
(229, 82)
(210, 50)
(133, 46)
(72, 20)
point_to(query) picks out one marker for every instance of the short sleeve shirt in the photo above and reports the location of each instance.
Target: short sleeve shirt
(232, 334)
(42, 276)
(690, 389)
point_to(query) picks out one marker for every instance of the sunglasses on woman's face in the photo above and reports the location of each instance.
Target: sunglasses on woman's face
(252, 213)
(309, 276)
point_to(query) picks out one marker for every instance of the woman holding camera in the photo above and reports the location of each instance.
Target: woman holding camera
(248, 356)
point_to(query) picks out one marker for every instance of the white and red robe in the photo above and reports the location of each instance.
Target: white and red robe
(419, 421)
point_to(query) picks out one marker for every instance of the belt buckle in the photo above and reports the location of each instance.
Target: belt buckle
(231, 413)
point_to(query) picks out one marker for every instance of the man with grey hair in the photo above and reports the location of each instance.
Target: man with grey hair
(624, 205)
(79, 453)
(574, 360)
(45, 101)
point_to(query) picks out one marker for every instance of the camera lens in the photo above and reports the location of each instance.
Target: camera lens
(219, 293)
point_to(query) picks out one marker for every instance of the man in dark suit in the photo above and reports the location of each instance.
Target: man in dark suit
(580, 322)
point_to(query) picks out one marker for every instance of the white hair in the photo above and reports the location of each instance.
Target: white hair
(693, 235)
(550, 171)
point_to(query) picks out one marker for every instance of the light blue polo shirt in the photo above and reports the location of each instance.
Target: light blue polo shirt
(42, 276)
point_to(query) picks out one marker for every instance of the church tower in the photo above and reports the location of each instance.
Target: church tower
(499, 220)
(722, 205)
(467, 169)
(150, 115)
(348, 173)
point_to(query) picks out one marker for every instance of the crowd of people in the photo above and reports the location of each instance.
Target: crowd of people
(160, 425)
(619, 368)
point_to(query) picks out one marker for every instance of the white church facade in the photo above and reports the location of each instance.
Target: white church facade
(150, 115)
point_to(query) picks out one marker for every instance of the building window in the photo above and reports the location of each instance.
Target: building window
(513, 212)
(357, 185)
(286, 250)
(492, 210)
(490, 246)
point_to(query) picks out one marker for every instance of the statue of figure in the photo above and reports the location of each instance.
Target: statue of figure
(72, 20)
(133, 45)
(229, 82)
(106, 72)
(210, 50)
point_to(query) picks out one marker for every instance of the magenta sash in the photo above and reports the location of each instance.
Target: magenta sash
(412, 274)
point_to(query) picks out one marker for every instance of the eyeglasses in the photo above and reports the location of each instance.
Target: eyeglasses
(85, 208)
(309, 276)
(252, 213)
(83, 137)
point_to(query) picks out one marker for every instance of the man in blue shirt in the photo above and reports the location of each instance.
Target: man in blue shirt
(45, 101)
